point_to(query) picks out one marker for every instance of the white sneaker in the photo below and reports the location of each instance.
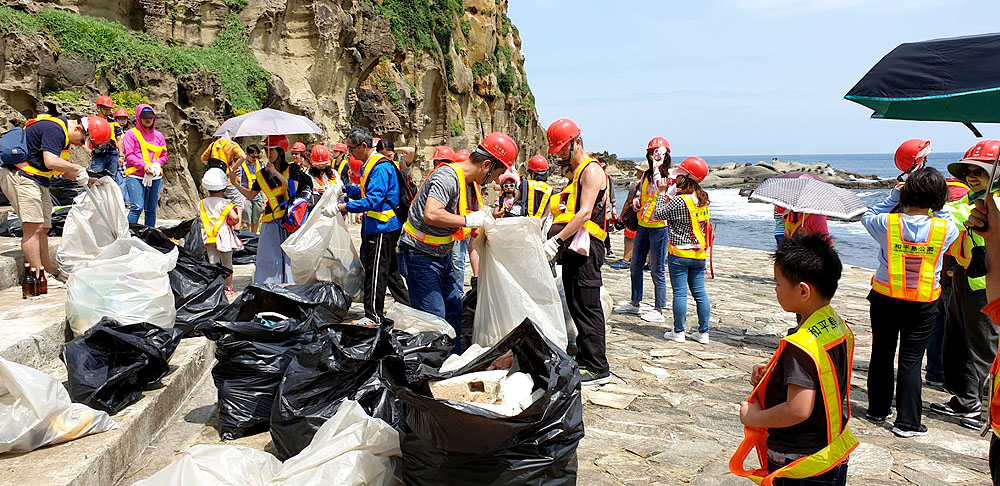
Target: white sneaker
(677, 337)
(652, 316)
(627, 308)
(700, 337)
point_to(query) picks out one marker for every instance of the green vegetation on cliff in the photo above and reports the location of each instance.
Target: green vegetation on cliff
(117, 50)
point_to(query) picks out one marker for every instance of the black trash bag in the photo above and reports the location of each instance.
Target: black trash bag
(3, 199)
(248, 255)
(177, 231)
(322, 302)
(251, 361)
(112, 364)
(187, 235)
(199, 287)
(58, 221)
(423, 352)
(346, 361)
(11, 227)
(63, 191)
(469, 314)
(454, 444)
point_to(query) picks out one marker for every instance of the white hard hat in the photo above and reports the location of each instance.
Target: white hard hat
(214, 179)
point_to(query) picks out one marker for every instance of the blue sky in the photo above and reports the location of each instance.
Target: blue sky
(732, 77)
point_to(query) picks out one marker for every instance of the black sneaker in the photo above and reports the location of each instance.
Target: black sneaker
(948, 409)
(876, 419)
(974, 423)
(907, 432)
(589, 378)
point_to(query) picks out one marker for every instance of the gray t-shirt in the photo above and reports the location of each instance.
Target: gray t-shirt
(442, 185)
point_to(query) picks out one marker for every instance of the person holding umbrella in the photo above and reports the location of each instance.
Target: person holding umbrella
(145, 153)
(281, 183)
(904, 292)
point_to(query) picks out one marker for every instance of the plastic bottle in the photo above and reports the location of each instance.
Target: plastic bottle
(26, 282)
(43, 283)
(30, 283)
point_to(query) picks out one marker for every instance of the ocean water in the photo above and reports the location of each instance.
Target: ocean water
(743, 224)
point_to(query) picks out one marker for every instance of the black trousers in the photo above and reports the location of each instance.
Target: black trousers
(378, 257)
(995, 458)
(582, 283)
(909, 324)
(970, 344)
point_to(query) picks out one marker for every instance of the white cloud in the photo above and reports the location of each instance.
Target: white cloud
(795, 8)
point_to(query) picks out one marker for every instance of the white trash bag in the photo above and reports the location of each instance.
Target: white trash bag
(349, 449)
(86, 232)
(35, 410)
(322, 250)
(515, 283)
(413, 321)
(127, 282)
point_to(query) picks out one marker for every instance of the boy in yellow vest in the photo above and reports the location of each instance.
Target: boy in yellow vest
(796, 416)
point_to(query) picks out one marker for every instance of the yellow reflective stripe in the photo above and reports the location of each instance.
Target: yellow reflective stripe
(836, 452)
(595, 230)
(647, 205)
(272, 194)
(64, 154)
(213, 227)
(698, 216)
(218, 151)
(792, 227)
(535, 187)
(898, 250)
(146, 148)
(383, 216)
(571, 192)
(424, 237)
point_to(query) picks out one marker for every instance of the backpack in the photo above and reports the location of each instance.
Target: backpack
(295, 215)
(13, 147)
(407, 191)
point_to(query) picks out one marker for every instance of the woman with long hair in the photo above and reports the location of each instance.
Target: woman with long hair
(690, 227)
(651, 236)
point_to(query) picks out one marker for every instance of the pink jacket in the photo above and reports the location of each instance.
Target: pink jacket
(133, 152)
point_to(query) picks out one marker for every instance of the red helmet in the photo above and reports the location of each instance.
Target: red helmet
(538, 163)
(911, 154)
(105, 101)
(501, 146)
(98, 129)
(340, 147)
(298, 147)
(695, 167)
(320, 154)
(120, 112)
(561, 132)
(277, 141)
(354, 166)
(443, 152)
(658, 142)
(462, 155)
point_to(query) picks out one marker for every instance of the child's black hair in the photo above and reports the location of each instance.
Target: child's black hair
(809, 258)
(925, 188)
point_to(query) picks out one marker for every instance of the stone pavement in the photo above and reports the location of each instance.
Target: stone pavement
(683, 424)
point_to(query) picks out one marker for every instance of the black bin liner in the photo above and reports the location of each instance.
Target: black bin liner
(199, 288)
(346, 361)
(63, 191)
(251, 361)
(112, 364)
(322, 302)
(423, 352)
(469, 314)
(248, 255)
(467, 445)
(11, 227)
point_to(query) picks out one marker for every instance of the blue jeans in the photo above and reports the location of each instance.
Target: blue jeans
(935, 343)
(104, 162)
(834, 477)
(432, 285)
(458, 253)
(142, 199)
(650, 241)
(685, 273)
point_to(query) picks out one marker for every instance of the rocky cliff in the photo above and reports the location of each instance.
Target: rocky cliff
(418, 72)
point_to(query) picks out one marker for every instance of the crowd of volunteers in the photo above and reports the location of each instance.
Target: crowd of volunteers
(935, 291)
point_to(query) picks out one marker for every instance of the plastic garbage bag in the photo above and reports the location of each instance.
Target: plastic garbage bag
(469, 313)
(63, 191)
(86, 233)
(323, 303)
(415, 321)
(344, 363)
(251, 361)
(453, 443)
(127, 282)
(35, 410)
(515, 283)
(11, 227)
(322, 250)
(424, 339)
(187, 235)
(248, 255)
(112, 364)
(350, 449)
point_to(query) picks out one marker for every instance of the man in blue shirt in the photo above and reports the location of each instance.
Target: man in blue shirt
(377, 198)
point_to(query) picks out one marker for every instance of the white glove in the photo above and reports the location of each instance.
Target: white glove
(147, 180)
(82, 177)
(157, 169)
(475, 219)
(672, 190)
(330, 210)
(635, 203)
(551, 248)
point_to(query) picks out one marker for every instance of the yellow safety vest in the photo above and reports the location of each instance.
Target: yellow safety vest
(248, 176)
(928, 252)
(536, 204)
(647, 204)
(961, 249)
(700, 219)
(26, 168)
(277, 197)
(381, 216)
(147, 149)
(791, 227)
(212, 226)
(218, 151)
(571, 193)
(820, 332)
(463, 209)
(994, 391)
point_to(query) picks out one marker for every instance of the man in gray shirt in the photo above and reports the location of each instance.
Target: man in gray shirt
(446, 209)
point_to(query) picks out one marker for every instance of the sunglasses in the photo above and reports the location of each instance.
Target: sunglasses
(976, 172)
(507, 184)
